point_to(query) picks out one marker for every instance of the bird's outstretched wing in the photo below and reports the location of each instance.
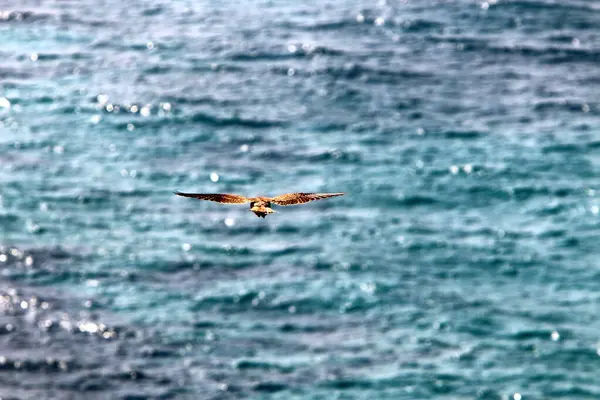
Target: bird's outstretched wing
(290, 199)
(218, 197)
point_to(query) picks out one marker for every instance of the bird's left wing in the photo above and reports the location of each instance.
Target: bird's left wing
(217, 197)
(290, 199)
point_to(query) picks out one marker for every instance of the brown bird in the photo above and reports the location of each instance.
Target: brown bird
(261, 206)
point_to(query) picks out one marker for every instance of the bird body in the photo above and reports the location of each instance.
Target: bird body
(261, 206)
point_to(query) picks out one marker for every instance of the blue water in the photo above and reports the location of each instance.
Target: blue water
(461, 264)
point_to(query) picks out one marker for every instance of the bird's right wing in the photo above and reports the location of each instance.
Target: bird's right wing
(217, 197)
(290, 199)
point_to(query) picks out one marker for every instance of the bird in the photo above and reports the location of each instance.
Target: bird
(261, 206)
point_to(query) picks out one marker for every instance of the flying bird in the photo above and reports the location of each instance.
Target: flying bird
(261, 206)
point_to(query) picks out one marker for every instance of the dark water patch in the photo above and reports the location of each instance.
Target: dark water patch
(248, 364)
(593, 145)
(577, 358)
(202, 66)
(488, 394)
(552, 209)
(559, 8)
(526, 335)
(411, 201)
(528, 192)
(201, 266)
(46, 57)
(300, 52)
(548, 54)
(332, 25)
(158, 70)
(572, 391)
(153, 11)
(481, 325)
(337, 155)
(553, 234)
(373, 75)
(27, 145)
(48, 366)
(7, 73)
(83, 20)
(235, 121)
(422, 26)
(25, 16)
(292, 250)
(326, 156)
(348, 383)
(261, 303)
(484, 195)
(190, 99)
(466, 42)
(290, 327)
(36, 256)
(269, 387)
(556, 105)
(463, 135)
(72, 110)
(9, 221)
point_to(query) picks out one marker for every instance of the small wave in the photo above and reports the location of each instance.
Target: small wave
(204, 100)
(523, 6)
(68, 18)
(234, 121)
(373, 75)
(333, 25)
(562, 148)
(555, 105)
(299, 52)
(549, 54)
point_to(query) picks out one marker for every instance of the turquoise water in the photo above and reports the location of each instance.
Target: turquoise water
(461, 264)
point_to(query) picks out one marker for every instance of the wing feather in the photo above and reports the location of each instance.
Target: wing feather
(290, 199)
(217, 197)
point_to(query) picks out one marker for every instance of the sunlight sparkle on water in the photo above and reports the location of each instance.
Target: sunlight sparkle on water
(102, 99)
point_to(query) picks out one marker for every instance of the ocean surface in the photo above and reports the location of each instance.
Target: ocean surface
(463, 262)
